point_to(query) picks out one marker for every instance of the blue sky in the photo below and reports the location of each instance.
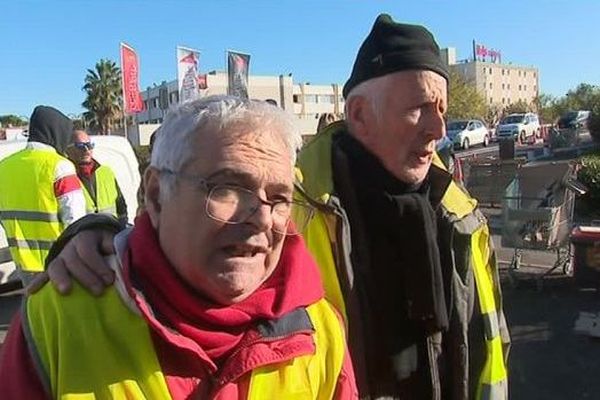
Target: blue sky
(46, 46)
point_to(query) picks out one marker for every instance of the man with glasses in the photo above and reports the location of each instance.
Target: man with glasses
(216, 295)
(39, 191)
(100, 187)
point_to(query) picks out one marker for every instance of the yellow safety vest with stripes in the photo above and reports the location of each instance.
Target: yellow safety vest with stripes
(326, 229)
(106, 192)
(28, 206)
(87, 347)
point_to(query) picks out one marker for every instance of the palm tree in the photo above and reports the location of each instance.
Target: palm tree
(103, 96)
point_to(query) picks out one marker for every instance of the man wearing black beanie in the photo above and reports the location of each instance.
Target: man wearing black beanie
(405, 253)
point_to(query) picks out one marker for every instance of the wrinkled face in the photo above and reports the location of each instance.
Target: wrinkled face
(226, 263)
(403, 132)
(80, 150)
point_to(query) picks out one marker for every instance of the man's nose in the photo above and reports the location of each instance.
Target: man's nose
(436, 127)
(262, 218)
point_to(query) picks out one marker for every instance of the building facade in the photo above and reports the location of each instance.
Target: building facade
(305, 101)
(500, 84)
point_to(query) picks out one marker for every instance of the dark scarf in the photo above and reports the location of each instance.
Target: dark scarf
(215, 328)
(407, 291)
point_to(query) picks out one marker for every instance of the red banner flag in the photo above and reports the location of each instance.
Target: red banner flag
(132, 100)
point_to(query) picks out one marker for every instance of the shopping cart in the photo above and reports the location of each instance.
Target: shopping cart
(537, 213)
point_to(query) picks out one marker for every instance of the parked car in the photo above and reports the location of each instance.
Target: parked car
(520, 127)
(467, 133)
(574, 120)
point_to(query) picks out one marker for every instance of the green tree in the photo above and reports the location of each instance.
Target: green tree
(583, 97)
(518, 107)
(12, 120)
(103, 96)
(464, 101)
(545, 105)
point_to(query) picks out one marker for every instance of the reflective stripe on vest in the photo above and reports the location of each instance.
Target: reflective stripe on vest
(492, 383)
(106, 192)
(31, 220)
(493, 379)
(58, 328)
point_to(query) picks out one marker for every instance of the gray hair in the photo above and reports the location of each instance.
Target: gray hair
(176, 142)
(372, 90)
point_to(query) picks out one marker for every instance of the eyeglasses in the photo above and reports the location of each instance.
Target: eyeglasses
(235, 205)
(84, 145)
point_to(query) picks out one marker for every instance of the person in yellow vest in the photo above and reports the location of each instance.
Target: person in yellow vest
(403, 251)
(216, 295)
(100, 187)
(39, 191)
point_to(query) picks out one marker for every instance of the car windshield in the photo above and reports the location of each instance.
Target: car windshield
(513, 119)
(457, 125)
(570, 116)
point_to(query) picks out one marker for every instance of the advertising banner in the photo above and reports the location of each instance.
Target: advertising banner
(132, 100)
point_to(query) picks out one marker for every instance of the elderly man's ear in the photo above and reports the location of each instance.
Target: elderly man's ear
(152, 194)
(361, 117)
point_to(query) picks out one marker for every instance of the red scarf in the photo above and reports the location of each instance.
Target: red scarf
(86, 169)
(218, 329)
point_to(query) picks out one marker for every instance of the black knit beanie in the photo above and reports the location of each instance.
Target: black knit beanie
(393, 47)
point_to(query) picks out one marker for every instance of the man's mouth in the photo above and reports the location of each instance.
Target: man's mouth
(423, 155)
(244, 250)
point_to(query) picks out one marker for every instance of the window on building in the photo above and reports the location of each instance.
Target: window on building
(508, 72)
(525, 87)
(491, 100)
(503, 86)
(519, 73)
(502, 71)
(535, 88)
(155, 102)
(519, 87)
(310, 98)
(490, 85)
(145, 104)
(524, 73)
(534, 74)
(484, 70)
(490, 70)
(173, 97)
(326, 98)
(296, 98)
(508, 86)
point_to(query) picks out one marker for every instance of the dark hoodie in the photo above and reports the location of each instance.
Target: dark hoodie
(49, 126)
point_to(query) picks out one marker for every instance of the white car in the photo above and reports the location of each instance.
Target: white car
(467, 133)
(519, 127)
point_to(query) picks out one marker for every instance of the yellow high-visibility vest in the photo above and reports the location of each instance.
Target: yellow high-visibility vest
(88, 347)
(325, 231)
(106, 193)
(28, 206)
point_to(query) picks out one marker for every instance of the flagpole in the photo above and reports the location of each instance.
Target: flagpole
(121, 45)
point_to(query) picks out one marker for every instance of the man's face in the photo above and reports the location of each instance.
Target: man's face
(80, 151)
(225, 262)
(409, 122)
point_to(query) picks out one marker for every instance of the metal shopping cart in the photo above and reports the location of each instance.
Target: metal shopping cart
(537, 213)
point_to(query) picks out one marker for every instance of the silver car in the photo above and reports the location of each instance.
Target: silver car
(467, 133)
